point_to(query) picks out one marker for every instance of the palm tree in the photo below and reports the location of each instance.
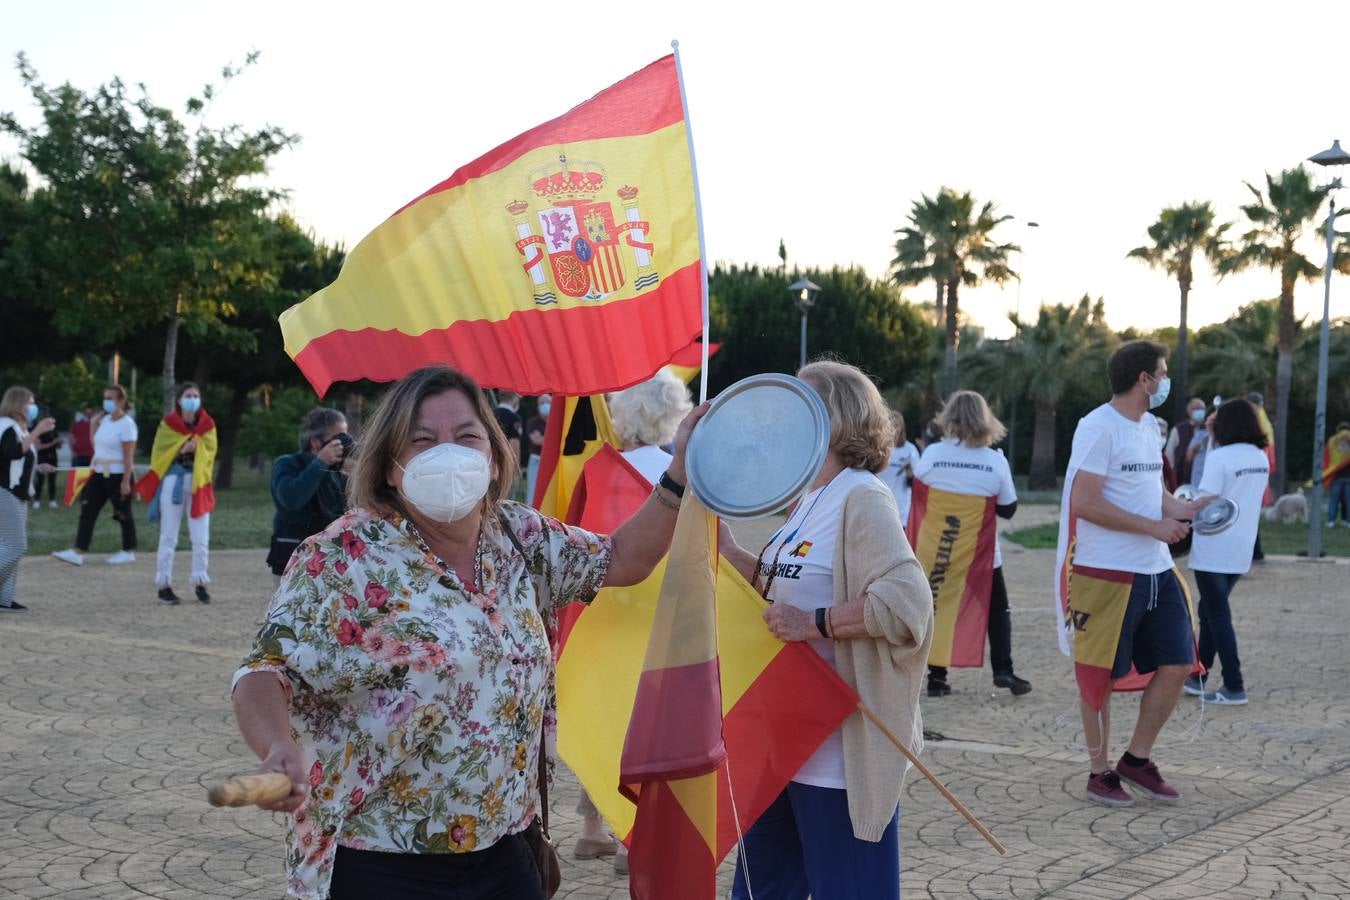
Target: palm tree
(1181, 232)
(1279, 218)
(948, 242)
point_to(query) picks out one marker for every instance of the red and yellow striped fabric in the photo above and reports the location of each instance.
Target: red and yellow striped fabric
(76, 479)
(778, 702)
(687, 363)
(566, 260)
(1336, 457)
(953, 537)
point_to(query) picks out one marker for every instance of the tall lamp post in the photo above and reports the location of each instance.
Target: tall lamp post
(804, 292)
(1334, 156)
(1012, 423)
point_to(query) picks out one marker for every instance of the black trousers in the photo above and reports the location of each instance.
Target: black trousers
(39, 480)
(1000, 631)
(503, 871)
(99, 490)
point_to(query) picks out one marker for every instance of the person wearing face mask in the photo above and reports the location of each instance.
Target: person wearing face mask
(1169, 475)
(1179, 441)
(1123, 612)
(309, 488)
(113, 467)
(535, 430)
(407, 652)
(21, 433)
(1199, 446)
(182, 469)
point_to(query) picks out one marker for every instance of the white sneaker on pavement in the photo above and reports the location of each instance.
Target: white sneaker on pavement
(52, 504)
(70, 556)
(121, 557)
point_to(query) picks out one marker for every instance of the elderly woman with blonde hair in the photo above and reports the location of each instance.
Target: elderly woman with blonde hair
(841, 576)
(965, 462)
(402, 677)
(645, 418)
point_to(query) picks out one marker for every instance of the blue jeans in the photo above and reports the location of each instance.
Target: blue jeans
(804, 844)
(1216, 626)
(1339, 498)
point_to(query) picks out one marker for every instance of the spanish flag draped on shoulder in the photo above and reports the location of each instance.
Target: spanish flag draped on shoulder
(1090, 605)
(953, 538)
(172, 434)
(565, 260)
(640, 718)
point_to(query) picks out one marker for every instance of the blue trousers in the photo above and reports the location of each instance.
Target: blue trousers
(1216, 626)
(1338, 498)
(804, 845)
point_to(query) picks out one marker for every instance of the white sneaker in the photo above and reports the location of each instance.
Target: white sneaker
(52, 504)
(121, 557)
(69, 556)
(37, 504)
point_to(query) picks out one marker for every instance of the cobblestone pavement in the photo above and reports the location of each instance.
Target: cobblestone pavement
(114, 715)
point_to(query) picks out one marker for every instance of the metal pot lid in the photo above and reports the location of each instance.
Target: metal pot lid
(1216, 516)
(1186, 492)
(760, 446)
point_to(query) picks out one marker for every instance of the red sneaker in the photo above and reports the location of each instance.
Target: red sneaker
(1148, 781)
(1105, 789)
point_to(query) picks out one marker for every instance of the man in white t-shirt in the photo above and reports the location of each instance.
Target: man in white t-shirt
(899, 472)
(1125, 520)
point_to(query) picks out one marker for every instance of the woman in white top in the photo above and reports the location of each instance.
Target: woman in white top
(1236, 468)
(110, 481)
(899, 474)
(964, 462)
(20, 435)
(841, 576)
(646, 417)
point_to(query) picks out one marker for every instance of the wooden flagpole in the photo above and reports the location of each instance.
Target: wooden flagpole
(942, 788)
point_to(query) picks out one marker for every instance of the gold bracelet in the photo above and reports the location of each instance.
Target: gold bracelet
(660, 498)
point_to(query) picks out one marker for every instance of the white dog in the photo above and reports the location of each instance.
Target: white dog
(1289, 508)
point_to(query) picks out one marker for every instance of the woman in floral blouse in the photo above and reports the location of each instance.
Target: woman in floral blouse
(402, 675)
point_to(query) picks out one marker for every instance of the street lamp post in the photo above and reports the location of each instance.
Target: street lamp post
(804, 293)
(1335, 156)
(1012, 417)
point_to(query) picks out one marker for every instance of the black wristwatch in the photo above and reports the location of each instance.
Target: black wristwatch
(820, 622)
(671, 485)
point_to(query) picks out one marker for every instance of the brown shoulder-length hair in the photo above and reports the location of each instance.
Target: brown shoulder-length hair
(390, 431)
(15, 404)
(860, 424)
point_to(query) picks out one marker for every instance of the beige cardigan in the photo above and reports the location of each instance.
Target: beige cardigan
(873, 560)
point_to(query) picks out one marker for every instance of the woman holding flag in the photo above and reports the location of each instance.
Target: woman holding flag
(841, 575)
(21, 433)
(182, 468)
(406, 651)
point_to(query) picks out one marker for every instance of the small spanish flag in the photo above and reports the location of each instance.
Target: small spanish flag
(75, 482)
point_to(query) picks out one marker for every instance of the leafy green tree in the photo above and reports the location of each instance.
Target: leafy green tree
(857, 318)
(1059, 354)
(1279, 217)
(145, 221)
(1180, 233)
(947, 241)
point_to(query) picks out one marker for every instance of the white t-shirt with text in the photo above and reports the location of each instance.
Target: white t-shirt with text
(108, 442)
(802, 557)
(1239, 472)
(949, 465)
(1126, 453)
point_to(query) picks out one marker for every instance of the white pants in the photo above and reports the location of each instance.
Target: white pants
(199, 531)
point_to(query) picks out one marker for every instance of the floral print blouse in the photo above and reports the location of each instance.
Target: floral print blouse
(421, 702)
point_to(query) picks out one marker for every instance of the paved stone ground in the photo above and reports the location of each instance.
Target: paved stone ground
(114, 715)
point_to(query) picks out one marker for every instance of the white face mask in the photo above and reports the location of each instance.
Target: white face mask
(446, 482)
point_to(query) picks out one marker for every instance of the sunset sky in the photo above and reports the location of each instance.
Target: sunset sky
(814, 123)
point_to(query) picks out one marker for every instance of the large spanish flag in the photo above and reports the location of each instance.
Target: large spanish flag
(577, 428)
(565, 260)
(1336, 457)
(172, 434)
(953, 537)
(778, 703)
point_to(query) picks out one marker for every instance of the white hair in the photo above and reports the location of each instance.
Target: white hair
(649, 414)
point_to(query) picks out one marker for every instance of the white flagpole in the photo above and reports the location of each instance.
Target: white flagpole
(698, 209)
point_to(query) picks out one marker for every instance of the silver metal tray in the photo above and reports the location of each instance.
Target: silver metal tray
(760, 446)
(1216, 516)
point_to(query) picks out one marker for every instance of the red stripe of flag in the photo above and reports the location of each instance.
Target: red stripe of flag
(646, 101)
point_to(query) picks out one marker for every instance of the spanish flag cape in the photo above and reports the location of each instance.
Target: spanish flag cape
(1090, 604)
(1336, 457)
(173, 433)
(953, 538)
(1269, 431)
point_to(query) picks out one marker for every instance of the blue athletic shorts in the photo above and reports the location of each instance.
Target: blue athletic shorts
(1157, 627)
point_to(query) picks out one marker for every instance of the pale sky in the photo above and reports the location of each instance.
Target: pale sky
(814, 123)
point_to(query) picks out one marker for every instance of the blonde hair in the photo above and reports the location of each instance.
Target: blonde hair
(15, 404)
(390, 430)
(967, 417)
(860, 423)
(898, 426)
(649, 414)
(121, 393)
